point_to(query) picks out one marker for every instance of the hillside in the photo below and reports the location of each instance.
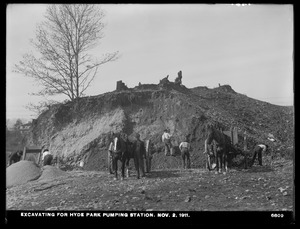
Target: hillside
(80, 130)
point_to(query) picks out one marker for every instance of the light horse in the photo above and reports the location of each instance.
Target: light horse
(119, 153)
(222, 148)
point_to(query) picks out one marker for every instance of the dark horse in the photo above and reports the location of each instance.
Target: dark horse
(222, 148)
(124, 150)
(137, 152)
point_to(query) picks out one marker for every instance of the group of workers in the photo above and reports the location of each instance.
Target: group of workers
(185, 149)
(47, 157)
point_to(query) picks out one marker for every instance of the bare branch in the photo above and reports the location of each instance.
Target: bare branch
(63, 41)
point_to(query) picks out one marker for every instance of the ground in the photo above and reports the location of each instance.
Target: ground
(260, 188)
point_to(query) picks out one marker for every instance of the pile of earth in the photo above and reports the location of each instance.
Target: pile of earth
(50, 173)
(80, 131)
(22, 172)
(25, 171)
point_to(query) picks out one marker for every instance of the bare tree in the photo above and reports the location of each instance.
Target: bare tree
(63, 40)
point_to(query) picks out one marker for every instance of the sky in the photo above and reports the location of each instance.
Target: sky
(249, 47)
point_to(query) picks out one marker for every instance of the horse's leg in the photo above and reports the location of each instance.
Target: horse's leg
(116, 172)
(219, 163)
(137, 167)
(225, 162)
(141, 165)
(115, 167)
(127, 166)
(123, 159)
(246, 159)
(208, 162)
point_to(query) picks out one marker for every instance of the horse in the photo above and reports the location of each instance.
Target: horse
(222, 148)
(136, 150)
(124, 150)
(119, 153)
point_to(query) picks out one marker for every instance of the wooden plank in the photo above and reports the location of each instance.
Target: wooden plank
(39, 157)
(24, 153)
(235, 139)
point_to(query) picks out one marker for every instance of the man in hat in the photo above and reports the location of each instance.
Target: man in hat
(166, 138)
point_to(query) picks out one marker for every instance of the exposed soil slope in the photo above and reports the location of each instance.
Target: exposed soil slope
(80, 130)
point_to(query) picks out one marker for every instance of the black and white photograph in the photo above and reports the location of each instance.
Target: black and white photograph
(166, 113)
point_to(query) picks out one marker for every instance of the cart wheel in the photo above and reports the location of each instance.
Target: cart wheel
(208, 163)
(148, 157)
(148, 164)
(109, 163)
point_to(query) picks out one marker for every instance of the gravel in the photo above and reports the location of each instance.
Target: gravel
(51, 172)
(22, 172)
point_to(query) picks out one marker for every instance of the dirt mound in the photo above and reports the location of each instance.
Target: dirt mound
(22, 172)
(80, 130)
(50, 173)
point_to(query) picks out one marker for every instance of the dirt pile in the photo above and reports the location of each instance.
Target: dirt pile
(50, 173)
(80, 130)
(22, 172)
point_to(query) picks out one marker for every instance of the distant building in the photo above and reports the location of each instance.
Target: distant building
(24, 127)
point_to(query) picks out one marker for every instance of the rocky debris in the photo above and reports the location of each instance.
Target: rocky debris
(22, 172)
(50, 173)
(164, 81)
